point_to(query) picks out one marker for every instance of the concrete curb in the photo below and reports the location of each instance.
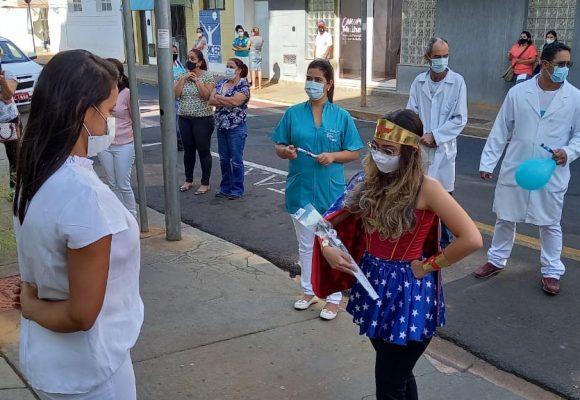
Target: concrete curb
(449, 354)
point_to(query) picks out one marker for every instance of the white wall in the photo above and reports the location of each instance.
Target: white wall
(285, 41)
(98, 32)
(14, 26)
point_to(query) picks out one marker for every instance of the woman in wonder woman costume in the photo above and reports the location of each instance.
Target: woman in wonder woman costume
(389, 219)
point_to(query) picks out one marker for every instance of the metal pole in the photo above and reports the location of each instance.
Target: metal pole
(168, 128)
(31, 26)
(363, 55)
(135, 113)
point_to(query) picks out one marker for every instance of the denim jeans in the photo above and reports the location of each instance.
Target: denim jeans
(177, 121)
(446, 235)
(117, 162)
(231, 144)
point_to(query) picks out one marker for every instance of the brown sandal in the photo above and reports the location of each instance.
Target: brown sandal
(186, 186)
(202, 191)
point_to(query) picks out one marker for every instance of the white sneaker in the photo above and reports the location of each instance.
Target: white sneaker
(304, 304)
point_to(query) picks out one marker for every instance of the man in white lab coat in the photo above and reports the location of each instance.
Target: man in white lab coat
(439, 96)
(542, 110)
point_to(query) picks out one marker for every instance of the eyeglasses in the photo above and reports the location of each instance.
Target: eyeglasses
(562, 64)
(374, 146)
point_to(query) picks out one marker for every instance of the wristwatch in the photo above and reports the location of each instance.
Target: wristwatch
(324, 243)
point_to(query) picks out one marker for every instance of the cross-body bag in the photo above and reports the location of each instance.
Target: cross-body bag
(508, 75)
(8, 131)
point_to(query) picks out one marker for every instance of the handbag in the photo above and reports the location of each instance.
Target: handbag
(8, 131)
(508, 75)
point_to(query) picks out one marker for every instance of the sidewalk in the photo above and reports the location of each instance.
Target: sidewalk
(481, 116)
(219, 325)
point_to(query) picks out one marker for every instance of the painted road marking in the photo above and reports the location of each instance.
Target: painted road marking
(531, 242)
(522, 240)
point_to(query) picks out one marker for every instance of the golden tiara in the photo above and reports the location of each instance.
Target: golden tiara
(386, 130)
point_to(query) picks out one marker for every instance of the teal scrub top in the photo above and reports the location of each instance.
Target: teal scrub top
(242, 42)
(309, 181)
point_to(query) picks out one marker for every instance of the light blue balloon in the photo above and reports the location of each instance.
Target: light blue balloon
(535, 174)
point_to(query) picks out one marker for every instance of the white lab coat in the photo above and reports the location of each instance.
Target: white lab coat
(519, 121)
(444, 115)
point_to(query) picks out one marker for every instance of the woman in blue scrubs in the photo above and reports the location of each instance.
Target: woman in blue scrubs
(329, 134)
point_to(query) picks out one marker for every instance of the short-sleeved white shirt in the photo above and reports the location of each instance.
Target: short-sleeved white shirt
(323, 42)
(8, 112)
(73, 209)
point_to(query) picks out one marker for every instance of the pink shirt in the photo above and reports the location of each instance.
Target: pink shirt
(122, 114)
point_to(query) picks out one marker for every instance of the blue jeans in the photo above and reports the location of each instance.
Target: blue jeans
(231, 144)
(446, 235)
(177, 121)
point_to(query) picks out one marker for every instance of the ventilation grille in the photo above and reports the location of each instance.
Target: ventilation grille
(289, 62)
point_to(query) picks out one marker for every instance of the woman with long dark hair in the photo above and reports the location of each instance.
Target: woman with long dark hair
(329, 136)
(389, 220)
(196, 123)
(231, 97)
(78, 246)
(118, 159)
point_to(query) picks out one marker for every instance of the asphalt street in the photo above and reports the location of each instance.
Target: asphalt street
(508, 320)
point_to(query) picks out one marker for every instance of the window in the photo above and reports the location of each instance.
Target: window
(104, 5)
(418, 26)
(545, 15)
(75, 6)
(214, 4)
(11, 53)
(319, 10)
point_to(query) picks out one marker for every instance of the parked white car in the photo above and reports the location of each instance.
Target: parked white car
(26, 71)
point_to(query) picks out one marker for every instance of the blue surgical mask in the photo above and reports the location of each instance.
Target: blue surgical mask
(439, 65)
(559, 75)
(230, 73)
(314, 90)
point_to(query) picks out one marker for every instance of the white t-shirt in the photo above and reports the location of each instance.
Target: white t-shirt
(433, 86)
(73, 209)
(323, 42)
(545, 98)
(8, 112)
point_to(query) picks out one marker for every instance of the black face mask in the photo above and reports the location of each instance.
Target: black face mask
(190, 65)
(523, 41)
(175, 57)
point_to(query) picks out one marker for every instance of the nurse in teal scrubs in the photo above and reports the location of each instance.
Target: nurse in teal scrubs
(330, 135)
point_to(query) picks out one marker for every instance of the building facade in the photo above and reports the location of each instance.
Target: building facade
(480, 35)
(218, 18)
(65, 24)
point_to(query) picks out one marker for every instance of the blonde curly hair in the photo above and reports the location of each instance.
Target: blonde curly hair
(387, 202)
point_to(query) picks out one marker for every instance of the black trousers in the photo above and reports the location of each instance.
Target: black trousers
(11, 148)
(196, 137)
(11, 153)
(394, 369)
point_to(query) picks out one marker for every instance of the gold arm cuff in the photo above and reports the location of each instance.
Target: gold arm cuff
(386, 130)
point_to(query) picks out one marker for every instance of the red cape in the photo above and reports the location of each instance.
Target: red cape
(327, 280)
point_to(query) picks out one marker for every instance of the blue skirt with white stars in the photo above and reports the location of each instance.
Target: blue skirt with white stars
(407, 308)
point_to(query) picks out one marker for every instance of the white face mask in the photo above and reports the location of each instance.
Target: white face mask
(385, 163)
(97, 144)
(549, 41)
(230, 73)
